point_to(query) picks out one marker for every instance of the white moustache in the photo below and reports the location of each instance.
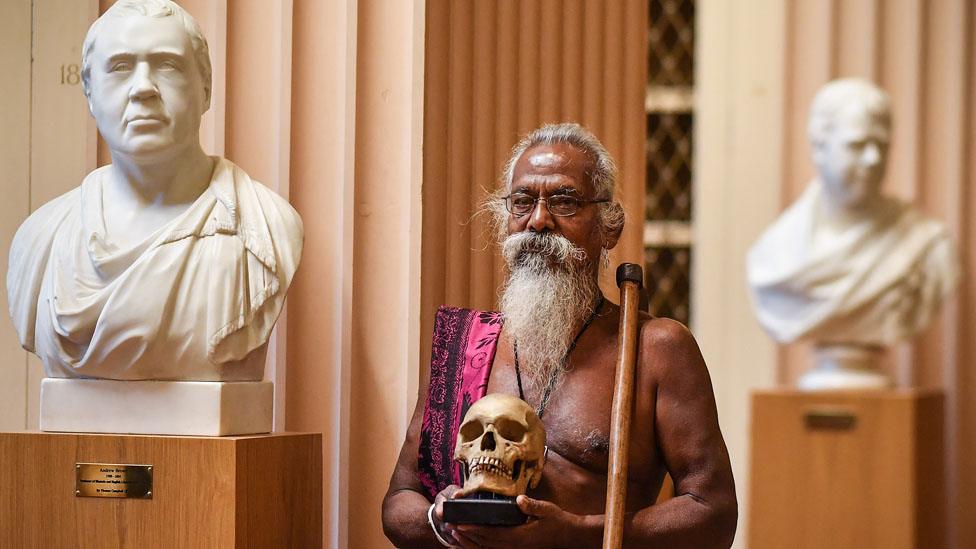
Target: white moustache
(521, 248)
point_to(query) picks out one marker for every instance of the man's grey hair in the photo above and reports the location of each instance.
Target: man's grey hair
(839, 93)
(150, 8)
(602, 172)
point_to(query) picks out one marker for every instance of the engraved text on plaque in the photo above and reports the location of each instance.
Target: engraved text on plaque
(109, 480)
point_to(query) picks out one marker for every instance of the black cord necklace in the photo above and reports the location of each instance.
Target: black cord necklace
(551, 382)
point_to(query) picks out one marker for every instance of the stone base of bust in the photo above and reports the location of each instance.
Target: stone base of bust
(845, 368)
(202, 408)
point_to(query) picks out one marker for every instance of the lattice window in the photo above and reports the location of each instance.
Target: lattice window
(670, 126)
(671, 40)
(669, 266)
(669, 166)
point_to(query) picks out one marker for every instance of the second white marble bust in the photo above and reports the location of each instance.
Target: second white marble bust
(167, 264)
(846, 267)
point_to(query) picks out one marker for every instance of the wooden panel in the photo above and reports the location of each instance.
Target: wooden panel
(253, 116)
(631, 155)
(506, 110)
(279, 491)
(15, 65)
(961, 376)
(503, 69)
(876, 483)
(433, 250)
(549, 64)
(457, 200)
(39, 469)
(528, 63)
(942, 152)
(857, 55)
(930, 479)
(572, 52)
(389, 71)
(593, 55)
(481, 281)
(809, 64)
(207, 492)
(901, 66)
(322, 188)
(258, 123)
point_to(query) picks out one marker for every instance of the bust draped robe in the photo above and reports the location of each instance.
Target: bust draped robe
(195, 300)
(877, 282)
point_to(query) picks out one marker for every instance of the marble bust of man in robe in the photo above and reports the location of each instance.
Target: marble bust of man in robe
(167, 264)
(845, 266)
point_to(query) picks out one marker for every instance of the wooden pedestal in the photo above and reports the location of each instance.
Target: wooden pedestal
(847, 470)
(248, 491)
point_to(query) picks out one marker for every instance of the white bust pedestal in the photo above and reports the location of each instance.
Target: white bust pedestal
(845, 368)
(200, 408)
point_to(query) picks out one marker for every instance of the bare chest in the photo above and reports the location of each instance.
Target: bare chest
(577, 415)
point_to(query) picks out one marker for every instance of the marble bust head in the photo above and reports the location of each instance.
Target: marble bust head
(167, 264)
(850, 122)
(146, 74)
(847, 267)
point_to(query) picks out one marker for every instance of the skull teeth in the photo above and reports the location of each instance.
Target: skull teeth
(489, 465)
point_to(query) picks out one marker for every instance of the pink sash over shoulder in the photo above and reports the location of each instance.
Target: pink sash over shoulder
(461, 355)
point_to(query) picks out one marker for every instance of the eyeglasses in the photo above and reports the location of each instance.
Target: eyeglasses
(560, 205)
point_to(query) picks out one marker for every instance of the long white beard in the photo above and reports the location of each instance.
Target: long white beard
(546, 298)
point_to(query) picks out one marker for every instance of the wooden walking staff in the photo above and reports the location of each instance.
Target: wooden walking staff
(629, 280)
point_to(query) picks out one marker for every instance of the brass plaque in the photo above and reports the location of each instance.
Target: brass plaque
(110, 480)
(829, 419)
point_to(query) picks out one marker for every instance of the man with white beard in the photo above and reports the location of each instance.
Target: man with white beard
(554, 344)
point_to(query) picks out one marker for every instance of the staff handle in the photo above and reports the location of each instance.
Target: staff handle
(629, 279)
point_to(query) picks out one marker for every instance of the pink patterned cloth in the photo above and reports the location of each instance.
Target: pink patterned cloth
(462, 351)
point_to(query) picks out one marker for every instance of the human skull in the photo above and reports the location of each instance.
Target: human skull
(501, 446)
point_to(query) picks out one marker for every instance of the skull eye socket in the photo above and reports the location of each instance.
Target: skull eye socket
(471, 430)
(510, 430)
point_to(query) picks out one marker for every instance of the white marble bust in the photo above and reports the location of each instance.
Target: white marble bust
(846, 267)
(167, 264)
